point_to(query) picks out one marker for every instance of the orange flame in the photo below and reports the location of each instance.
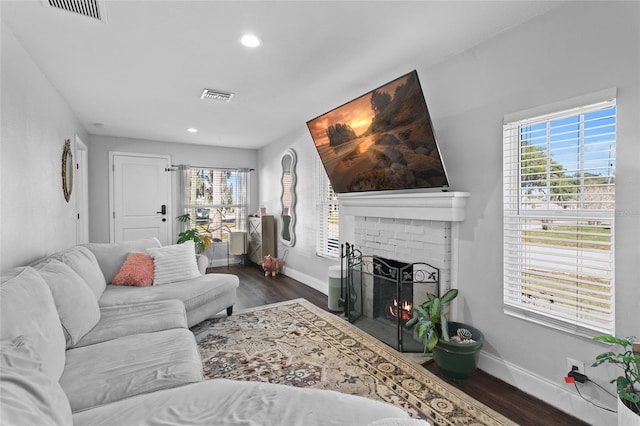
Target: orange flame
(405, 309)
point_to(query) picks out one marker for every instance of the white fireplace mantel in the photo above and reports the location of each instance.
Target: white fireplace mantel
(443, 206)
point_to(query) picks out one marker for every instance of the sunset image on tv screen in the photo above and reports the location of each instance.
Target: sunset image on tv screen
(382, 140)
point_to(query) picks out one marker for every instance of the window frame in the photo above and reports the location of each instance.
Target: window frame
(327, 215)
(523, 275)
(239, 203)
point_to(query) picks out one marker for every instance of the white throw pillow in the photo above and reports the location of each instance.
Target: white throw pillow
(76, 304)
(174, 263)
(29, 396)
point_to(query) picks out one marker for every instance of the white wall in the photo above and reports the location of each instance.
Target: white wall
(35, 219)
(301, 260)
(576, 49)
(194, 155)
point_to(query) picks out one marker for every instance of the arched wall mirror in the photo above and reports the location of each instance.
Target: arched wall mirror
(288, 198)
(67, 170)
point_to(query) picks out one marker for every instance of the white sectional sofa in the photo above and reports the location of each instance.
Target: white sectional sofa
(75, 350)
(203, 296)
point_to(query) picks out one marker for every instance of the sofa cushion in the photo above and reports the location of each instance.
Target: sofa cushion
(174, 263)
(125, 320)
(28, 309)
(81, 260)
(111, 256)
(129, 366)
(29, 396)
(192, 293)
(137, 271)
(224, 402)
(75, 302)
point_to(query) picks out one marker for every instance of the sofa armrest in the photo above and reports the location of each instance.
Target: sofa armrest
(203, 262)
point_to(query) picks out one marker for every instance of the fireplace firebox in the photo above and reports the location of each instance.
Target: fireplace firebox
(379, 294)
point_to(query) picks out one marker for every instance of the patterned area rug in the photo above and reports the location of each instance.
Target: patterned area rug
(295, 343)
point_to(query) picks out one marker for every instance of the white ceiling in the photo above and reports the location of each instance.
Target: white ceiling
(140, 73)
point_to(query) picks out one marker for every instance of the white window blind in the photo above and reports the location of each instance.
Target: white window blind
(559, 210)
(328, 236)
(215, 199)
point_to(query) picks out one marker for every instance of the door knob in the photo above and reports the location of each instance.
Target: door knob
(163, 209)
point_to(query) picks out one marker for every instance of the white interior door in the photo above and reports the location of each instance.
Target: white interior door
(81, 180)
(141, 197)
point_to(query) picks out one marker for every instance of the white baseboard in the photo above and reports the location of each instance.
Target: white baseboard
(559, 395)
(214, 263)
(307, 280)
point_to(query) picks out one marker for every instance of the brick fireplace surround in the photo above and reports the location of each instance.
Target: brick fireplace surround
(408, 227)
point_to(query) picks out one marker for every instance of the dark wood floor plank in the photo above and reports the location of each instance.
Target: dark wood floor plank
(256, 290)
(508, 400)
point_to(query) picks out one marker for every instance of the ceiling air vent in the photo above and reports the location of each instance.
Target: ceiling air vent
(216, 95)
(88, 8)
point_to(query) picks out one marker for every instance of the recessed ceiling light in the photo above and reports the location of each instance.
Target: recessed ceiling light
(250, 40)
(192, 130)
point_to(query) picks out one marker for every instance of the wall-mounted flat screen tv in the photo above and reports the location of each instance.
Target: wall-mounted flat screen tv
(382, 140)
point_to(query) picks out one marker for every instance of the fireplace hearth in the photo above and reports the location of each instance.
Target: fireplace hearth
(379, 295)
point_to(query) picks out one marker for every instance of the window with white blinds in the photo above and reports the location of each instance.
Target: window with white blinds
(559, 210)
(215, 199)
(328, 236)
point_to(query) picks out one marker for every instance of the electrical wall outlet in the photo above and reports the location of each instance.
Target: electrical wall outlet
(572, 364)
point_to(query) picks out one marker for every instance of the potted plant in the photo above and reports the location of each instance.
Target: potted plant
(201, 239)
(628, 384)
(455, 346)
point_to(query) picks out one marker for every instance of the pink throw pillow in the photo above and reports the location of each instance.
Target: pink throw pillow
(137, 270)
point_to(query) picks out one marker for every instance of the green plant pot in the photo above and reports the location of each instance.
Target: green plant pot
(458, 361)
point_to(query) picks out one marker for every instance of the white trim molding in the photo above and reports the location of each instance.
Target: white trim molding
(308, 280)
(557, 394)
(442, 206)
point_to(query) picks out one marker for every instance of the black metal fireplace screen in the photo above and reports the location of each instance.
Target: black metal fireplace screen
(379, 294)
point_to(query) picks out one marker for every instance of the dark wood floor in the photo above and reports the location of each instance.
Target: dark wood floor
(256, 289)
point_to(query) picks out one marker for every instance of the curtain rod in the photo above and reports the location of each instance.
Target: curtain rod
(239, 169)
